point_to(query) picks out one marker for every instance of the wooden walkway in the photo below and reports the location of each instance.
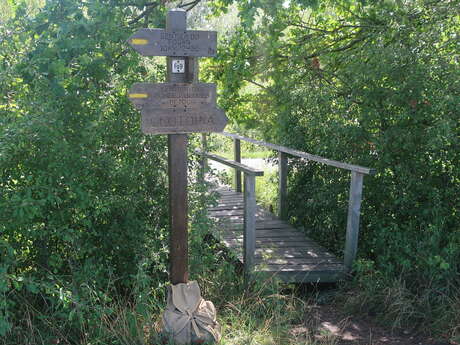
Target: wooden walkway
(264, 243)
(281, 250)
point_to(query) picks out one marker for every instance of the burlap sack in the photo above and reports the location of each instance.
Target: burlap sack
(188, 317)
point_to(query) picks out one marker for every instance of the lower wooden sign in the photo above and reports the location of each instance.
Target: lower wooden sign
(171, 121)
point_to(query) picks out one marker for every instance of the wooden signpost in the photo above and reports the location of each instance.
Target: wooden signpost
(177, 107)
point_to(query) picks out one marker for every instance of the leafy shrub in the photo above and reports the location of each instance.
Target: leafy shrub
(83, 192)
(374, 84)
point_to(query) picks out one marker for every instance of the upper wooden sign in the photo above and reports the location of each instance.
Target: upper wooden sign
(159, 42)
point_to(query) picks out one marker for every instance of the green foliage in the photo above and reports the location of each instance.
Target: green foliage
(83, 192)
(375, 84)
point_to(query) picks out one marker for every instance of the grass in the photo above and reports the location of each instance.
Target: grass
(259, 314)
(264, 313)
(395, 306)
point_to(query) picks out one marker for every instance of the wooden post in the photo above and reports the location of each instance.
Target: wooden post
(203, 159)
(237, 158)
(354, 209)
(204, 142)
(249, 237)
(177, 158)
(282, 185)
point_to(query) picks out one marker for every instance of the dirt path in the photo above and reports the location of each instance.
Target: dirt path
(326, 325)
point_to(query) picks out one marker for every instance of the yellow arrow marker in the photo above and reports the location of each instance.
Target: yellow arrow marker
(138, 95)
(139, 41)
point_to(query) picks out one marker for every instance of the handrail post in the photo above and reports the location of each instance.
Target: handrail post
(249, 237)
(354, 209)
(237, 158)
(282, 185)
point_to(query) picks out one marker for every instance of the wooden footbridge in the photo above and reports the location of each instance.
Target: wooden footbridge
(268, 244)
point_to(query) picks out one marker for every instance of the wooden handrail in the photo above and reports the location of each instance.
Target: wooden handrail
(238, 166)
(301, 154)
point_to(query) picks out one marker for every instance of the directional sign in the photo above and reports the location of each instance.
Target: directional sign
(181, 107)
(174, 95)
(159, 42)
(171, 108)
(170, 121)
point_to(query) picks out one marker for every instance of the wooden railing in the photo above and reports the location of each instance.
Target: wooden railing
(250, 206)
(355, 194)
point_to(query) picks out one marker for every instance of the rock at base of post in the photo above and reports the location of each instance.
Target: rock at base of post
(188, 318)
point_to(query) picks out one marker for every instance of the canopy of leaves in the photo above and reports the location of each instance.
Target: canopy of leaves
(371, 83)
(82, 191)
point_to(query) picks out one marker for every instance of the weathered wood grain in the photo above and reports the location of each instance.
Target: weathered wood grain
(177, 166)
(177, 96)
(226, 207)
(260, 224)
(169, 121)
(296, 261)
(301, 267)
(269, 242)
(279, 253)
(250, 213)
(354, 209)
(273, 235)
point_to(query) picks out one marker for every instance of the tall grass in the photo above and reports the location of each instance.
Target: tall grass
(393, 304)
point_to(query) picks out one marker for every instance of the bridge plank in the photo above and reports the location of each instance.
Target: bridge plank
(281, 249)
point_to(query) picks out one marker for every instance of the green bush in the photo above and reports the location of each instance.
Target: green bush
(83, 195)
(369, 83)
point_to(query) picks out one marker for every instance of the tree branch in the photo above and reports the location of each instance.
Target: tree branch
(148, 10)
(192, 4)
(345, 47)
(255, 83)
